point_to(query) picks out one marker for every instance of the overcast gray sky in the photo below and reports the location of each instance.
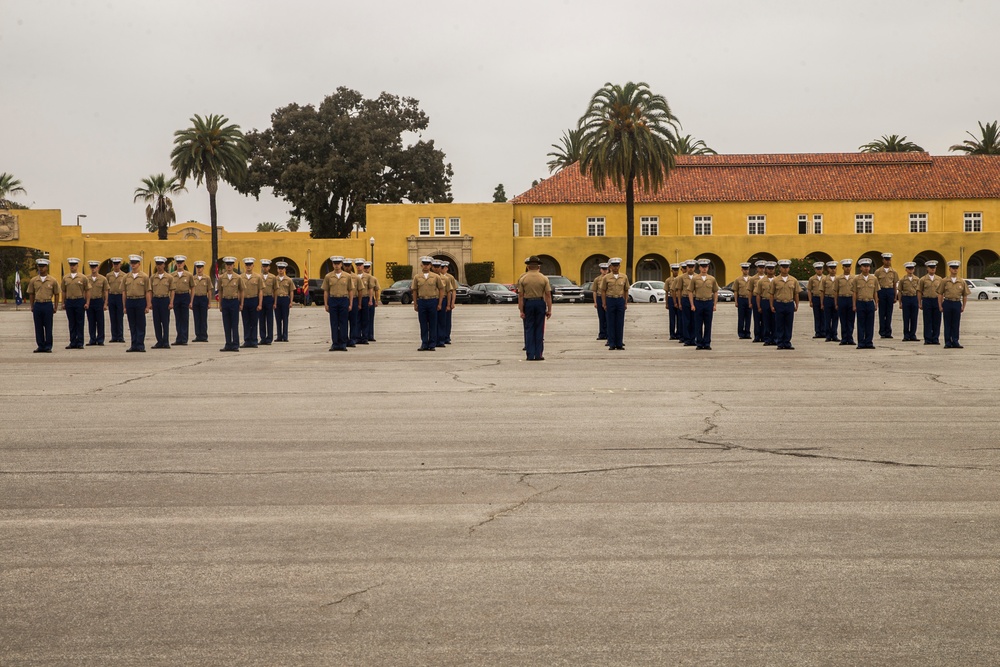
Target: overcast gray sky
(93, 90)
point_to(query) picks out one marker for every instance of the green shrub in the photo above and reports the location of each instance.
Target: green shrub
(802, 269)
(991, 270)
(478, 272)
(402, 272)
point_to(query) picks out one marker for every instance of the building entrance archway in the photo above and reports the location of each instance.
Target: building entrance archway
(717, 267)
(927, 255)
(651, 267)
(550, 266)
(292, 270)
(590, 268)
(978, 261)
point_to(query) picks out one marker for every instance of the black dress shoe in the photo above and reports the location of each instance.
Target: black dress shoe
(956, 346)
(540, 359)
(93, 343)
(70, 347)
(333, 348)
(38, 349)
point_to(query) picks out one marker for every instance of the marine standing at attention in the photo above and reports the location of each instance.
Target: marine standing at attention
(231, 293)
(814, 292)
(442, 315)
(755, 311)
(614, 294)
(534, 300)
(704, 292)
(602, 318)
(138, 301)
(764, 287)
(183, 284)
(338, 290)
(201, 293)
(953, 293)
(830, 302)
(161, 284)
(845, 303)
(741, 288)
(376, 291)
(252, 303)
(684, 302)
(284, 288)
(887, 281)
(927, 301)
(43, 299)
(672, 316)
(266, 319)
(865, 293)
(783, 303)
(115, 305)
(428, 299)
(98, 304)
(364, 301)
(76, 298)
(908, 302)
(450, 299)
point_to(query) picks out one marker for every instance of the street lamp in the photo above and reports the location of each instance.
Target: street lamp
(371, 242)
(82, 215)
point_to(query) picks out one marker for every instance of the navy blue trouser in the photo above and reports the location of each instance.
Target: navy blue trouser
(281, 316)
(442, 324)
(703, 322)
(866, 323)
(199, 313)
(182, 309)
(687, 321)
(784, 318)
(230, 309)
(352, 323)
(266, 320)
(339, 321)
(95, 320)
(886, 300)
(932, 320)
(602, 319)
(116, 314)
(371, 321)
(135, 311)
(952, 319)
(534, 328)
(743, 317)
(161, 319)
(908, 304)
(250, 317)
(758, 321)
(819, 325)
(615, 312)
(427, 315)
(75, 316)
(830, 316)
(767, 324)
(41, 314)
(845, 307)
(672, 324)
(363, 319)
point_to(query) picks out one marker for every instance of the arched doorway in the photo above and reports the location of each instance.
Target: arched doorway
(292, 270)
(651, 267)
(819, 257)
(717, 267)
(452, 264)
(14, 259)
(926, 255)
(874, 255)
(766, 256)
(550, 267)
(978, 261)
(105, 266)
(590, 268)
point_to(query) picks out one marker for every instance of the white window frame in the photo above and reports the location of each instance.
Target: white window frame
(756, 225)
(424, 227)
(864, 223)
(918, 223)
(803, 224)
(973, 221)
(543, 226)
(454, 226)
(702, 225)
(817, 223)
(596, 226)
(649, 225)
(439, 227)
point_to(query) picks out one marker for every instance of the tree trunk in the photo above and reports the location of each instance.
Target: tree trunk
(630, 227)
(212, 183)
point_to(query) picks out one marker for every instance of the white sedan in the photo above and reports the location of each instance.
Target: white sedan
(982, 289)
(647, 290)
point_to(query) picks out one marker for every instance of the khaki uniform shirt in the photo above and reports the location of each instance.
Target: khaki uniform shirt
(765, 286)
(865, 289)
(830, 287)
(683, 284)
(785, 291)
(615, 288)
(252, 285)
(283, 286)
(843, 285)
(376, 288)
(76, 288)
(927, 286)
(908, 285)
(752, 285)
(886, 279)
(427, 287)
(183, 280)
(704, 287)
(452, 282)
(230, 285)
(136, 285)
(116, 284)
(161, 285)
(742, 287)
(815, 286)
(533, 285)
(202, 285)
(267, 281)
(595, 287)
(98, 287)
(338, 286)
(953, 289)
(364, 285)
(44, 291)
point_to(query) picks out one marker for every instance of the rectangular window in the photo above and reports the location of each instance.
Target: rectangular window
(455, 226)
(702, 225)
(918, 223)
(803, 224)
(818, 223)
(425, 226)
(973, 222)
(864, 223)
(649, 225)
(543, 226)
(517, 229)
(595, 226)
(756, 225)
(438, 226)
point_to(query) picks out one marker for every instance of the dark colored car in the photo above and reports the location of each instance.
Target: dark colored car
(588, 292)
(398, 291)
(492, 293)
(315, 291)
(463, 294)
(564, 289)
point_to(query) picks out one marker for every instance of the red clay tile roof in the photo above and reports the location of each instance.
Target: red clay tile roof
(794, 177)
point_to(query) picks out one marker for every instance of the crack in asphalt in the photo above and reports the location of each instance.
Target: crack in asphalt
(155, 373)
(475, 386)
(512, 508)
(354, 594)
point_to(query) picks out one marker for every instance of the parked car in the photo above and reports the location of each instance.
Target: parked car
(726, 294)
(588, 291)
(492, 293)
(315, 291)
(804, 291)
(650, 291)
(398, 291)
(462, 293)
(565, 290)
(982, 289)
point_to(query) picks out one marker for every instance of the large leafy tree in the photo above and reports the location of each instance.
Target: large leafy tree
(688, 145)
(13, 259)
(499, 194)
(987, 143)
(209, 151)
(10, 186)
(156, 191)
(892, 143)
(330, 161)
(629, 134)
(567, 151)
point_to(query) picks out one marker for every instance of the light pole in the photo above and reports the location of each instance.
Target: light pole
(371, 242)
(82, 215)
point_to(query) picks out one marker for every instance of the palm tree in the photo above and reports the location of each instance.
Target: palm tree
(270, 227)
(687, 145)
(156, 191)
(567, 151)
(987, 144)
(10, 186)
(208, 151)
(892, 143)
(629, 134)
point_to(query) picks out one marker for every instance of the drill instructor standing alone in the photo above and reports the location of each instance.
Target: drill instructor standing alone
(534, 300)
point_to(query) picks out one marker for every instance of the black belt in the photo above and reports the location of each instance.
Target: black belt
(952, 299)
(230, 298)
(703, 299)
(534, 298)
(43, 301)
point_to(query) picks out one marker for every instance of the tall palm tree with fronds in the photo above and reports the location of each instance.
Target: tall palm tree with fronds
(10, 186)
(688, 145)
(270, 227)
(891, 143)
(567, 151)
(156, 191)
(210, 151)
(629, 134)
(988, 142)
